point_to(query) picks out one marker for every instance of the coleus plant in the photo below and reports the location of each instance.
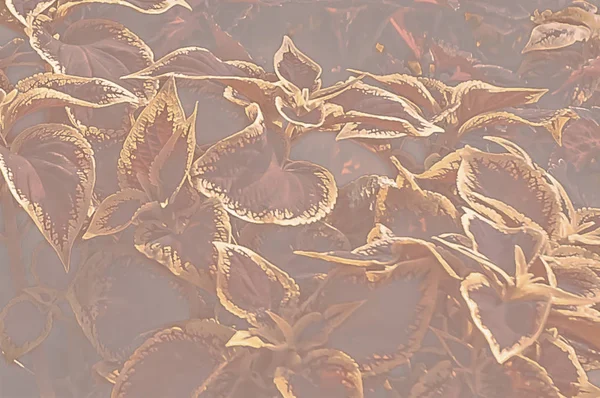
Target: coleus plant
(179, 257)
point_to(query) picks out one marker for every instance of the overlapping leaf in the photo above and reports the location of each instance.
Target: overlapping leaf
(323, 373)
(248, 285)
(186, 249)
(250, 173)
(379, 334)
(50, 171)
(118, 297)
(508, 190)
(175, 361)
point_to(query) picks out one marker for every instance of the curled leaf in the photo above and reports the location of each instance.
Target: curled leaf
(555, 35)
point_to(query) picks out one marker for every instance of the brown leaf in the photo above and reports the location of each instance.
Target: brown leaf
(555, 35)
(380, 334)
(98, 43)
(295, 69)
(118, 297)
(158, 151)
(474, 97)
(24, 324)
(57, 90)
(50, 171)
(509, 326)
(248, 285)
(142, 6)
(187, 251)
(116, 212)
(250, 174)
(22, 10)
(509, 191)
(175, 361)
(323, 373)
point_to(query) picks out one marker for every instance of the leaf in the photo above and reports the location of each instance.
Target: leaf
(255, 182)
(295, 69)
(116, 213)
(380, 334)
(175, 361)
(190, 61)
(439, 381)
(358, 198)
(380, 111)
(108, 49)
(248, 285)
(407, 86)
(555, 35)
(277, 244)
(411, 211)
(323, 373)
(50, 171)
(578, 276)
(497, 243)
(474, 97)
(551, 120)
(24, 324)
(518, 377)
(187, 250)
(509, 326)
(143, 6)
(158, 151)
(119, 296)
(560, 361)
(509, 191)
(22, 10)
(57, 90)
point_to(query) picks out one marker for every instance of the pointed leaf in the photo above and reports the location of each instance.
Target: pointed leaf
(295, 69)
(116, 213)
(143, 6)
(551, 120)
(188, 251)
(475, 97)
(57, 90)
(555, 35)
(50, 171)
(497, 243)
(409, 87)
(560, 361)
(157, 129)
(509, 326)
(187, 61)
(248, 285)
(507, 190)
